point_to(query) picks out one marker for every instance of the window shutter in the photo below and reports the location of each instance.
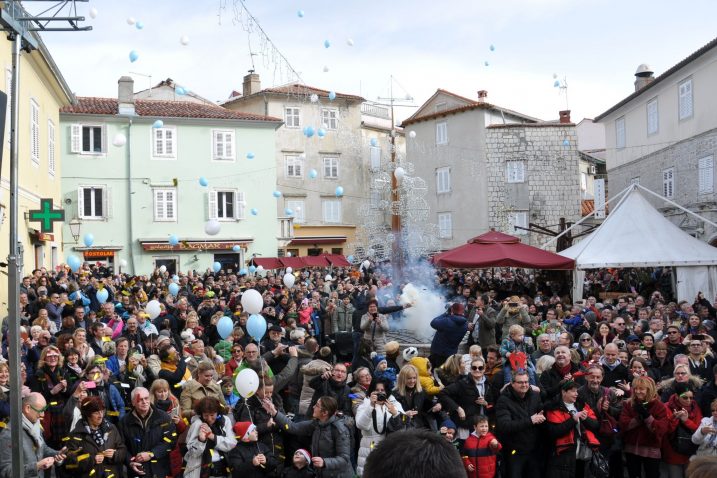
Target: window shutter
(158, 205)
(228, 140)
(80, 203)
(169, 142)
(218, 145)
(170, 205)
(375, 158)
(158, 149)
(75, 138)
(51, 147)
(106, 201)
(212, 206)
(241, 205)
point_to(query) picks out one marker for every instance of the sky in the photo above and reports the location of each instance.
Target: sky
(594, 46)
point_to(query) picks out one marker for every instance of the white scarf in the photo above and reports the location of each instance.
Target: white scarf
(34, 430)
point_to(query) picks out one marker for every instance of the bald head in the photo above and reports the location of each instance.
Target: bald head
(33, 407)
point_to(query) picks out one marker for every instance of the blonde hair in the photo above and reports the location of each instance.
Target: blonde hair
(452, 365)
(475, 349)
(544, 363)
(646, 382)
(515, 330)
(403, 376)
(43, 354)
(159, 385)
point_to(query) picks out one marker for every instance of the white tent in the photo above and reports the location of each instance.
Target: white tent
(635, 234)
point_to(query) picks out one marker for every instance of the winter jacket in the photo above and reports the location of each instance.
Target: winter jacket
(309, 372)
(612, 374)
(707, 443)
(506, 319)
(157, 436)
(513, 422)
(374, 429)
(252, 410)
(81, 444)
(223, 442)
(340, 391)
(34, 449)
(694, 416)
(485, 330)
(477, 452)
(330, 440)
(414, 401)
(666, 388)
(450, 330)
(341, 318)
(374, 331)
(114, 403)
(561, 427)
(241, 456)
(550, 381)
(193, 391)
(424, 376)
(644, 437)
(464, 393)
(709, 394)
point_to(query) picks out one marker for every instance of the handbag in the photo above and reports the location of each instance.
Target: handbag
(599, 467)
(681, 441)
(583, 452)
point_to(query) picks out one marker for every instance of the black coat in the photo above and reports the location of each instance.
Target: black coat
(551, 379)
(158, 437)
(463, 393)
(610, 377)
(241, 456)
(253, 411)
(513, 423)
(415, 401)
(340, 391)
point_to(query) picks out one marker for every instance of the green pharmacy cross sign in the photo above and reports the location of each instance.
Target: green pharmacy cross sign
(46, 215)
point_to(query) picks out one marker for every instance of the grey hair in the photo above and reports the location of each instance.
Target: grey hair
(135, 392)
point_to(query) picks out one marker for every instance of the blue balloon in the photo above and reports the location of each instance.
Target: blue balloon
(254, 211)
(556, 84)
(225, 327)
(276, 194)
(173, 289)
(250, 155)
(175, 278)
(313, 174)
(566, 142)
(485, 63)
(243, 271)
(492, 48)
(256, 326)
(180, 91)
(300, 14)
(252, 269)
(133, 55)
(309, 131)
(158, 124)
(89, 239)
(327, 43)
(139, 25)
(374, 142)
(216, 267)
(236, 248)
(321, 132)
(74, 262)
(289, 212)
(203, 181)
(332, 95)
(173, 240)
(102, 296)
(350, 258)
(339, 191)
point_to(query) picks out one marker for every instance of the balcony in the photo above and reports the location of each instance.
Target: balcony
(286, 231)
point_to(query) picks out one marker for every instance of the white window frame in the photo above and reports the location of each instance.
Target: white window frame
(519, 218)
(162, 198)
(374, 157)
(167, 144)
(223, 145)
(705, 176)
(331, 164)
(443, 180)
(331, 211)
(620, 133)
(51, 161)
(668, 183)
(442, 132)
(293, 166)
(77, 139)
(635, 180)
(685, 99)
(81, 202)
(653, 117)
(445, 225)
(292, 117)
(297, 205)
(238, 204)
(330, 118)
(515, 171)
(35, 132)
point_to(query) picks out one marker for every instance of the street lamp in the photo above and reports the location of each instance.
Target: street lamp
(75, 225)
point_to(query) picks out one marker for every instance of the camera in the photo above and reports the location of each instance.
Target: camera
(381, 397)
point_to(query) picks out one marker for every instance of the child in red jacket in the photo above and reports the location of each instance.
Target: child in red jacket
(480, 449)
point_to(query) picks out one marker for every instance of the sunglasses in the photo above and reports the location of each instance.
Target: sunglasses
(477, 367)
(585, 340)
(237, 351)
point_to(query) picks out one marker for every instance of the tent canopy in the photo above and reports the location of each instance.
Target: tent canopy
(295, 262)
(495, 249)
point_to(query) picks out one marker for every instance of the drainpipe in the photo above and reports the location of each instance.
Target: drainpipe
(130, 233)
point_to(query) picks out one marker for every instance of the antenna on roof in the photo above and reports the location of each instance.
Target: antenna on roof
(146, 76)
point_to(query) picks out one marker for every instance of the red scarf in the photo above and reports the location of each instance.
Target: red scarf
(563, 371)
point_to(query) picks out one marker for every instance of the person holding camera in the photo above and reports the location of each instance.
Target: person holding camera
(513, 312)
(374, 327)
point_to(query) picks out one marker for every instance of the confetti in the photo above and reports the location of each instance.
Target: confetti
(83, 457)
(168, 440)
(92, 472)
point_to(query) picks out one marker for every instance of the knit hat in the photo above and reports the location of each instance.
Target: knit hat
(377, 358)
(90, 405)
(409, 354)
(305, 454)
(448, 423)
(243, 429)
(458, 309)
(391, 347)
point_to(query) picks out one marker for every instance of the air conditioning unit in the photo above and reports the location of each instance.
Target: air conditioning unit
(591, 169)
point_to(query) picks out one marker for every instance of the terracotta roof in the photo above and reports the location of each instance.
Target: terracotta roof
(297, 89)
(587, 206)
(160, 109)
(546, 124)
(660, 78)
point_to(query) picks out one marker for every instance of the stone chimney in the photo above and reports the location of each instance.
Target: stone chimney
(643, 76)
(125, 95)
(252, 84)
(564, 116)
(482, 95)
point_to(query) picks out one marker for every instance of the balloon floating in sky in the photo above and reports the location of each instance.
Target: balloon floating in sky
(313, 174)
(184, 40)
(74, 262)
(492, 48)
(300, 14)
(486, 63)
(339, 191)
(349, 42)
(374, 142)
(412, 134)
(93, 12)
(309, 131)
(180, 91)
(158, 124)
(249, 155)
(131, 21)
(173, 240)
(350, 258)
(139, 25)
(314, 98)
(332, 95)
(133, 55)
(203, 181)
(89, 239)
(252, 269)
(254, 211)
(119, 140)
(566, 142)
(276, 194)
(556, 84)
(212, 227)
(236, 248)
(326, 69)
(555, 75)
(327, 44)
(321, 132)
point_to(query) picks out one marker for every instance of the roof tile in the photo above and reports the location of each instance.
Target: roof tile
(297, 89)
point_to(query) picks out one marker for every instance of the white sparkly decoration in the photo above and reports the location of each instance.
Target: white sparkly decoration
(131, 21)
(314, 98)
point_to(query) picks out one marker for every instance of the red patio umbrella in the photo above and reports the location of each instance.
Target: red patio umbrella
(495, 249)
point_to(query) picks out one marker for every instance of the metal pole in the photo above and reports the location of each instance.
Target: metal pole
(14, 261)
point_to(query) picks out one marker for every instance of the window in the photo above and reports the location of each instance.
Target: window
(51, 147)
(34, 132)
(620, 132)
(583, 182)
(443, 180)
(223, 145)
(635, 180)
(442, 133)
(668, 182)
(294, 167)
(685, 99)
(292, 117)
(520, 219)
(330, 118)
(87, 139)
(331, 168)
(297, 206)
(375, 152)
(705, 167)
(445, 225)
(332, 210)
(653, 119)
(165, 204)
(164, 142)
(226, 205)
(93, 202)
(515, 171)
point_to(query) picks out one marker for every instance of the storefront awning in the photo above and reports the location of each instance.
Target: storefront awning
(309, 240)
(268, 263)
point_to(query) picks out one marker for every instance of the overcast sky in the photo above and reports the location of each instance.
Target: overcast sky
(595, 44)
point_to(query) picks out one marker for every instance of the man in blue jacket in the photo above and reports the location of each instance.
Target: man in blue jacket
(450, 327)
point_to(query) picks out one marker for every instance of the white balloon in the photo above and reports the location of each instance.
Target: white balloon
(314, 98)
(184, 40)
(328, 278)
(247, 383)
(212, 227)
(366, 264)
(288, 254)
(412, 134)
(123, 262)
(289, 270)
(252, 301)
(261, 272)
(119, 140)
(399, 173)
(162, 269)
(349, 42)
(289, 280)
(93, 12)
(153, 309)
(326, 69)
(131, 21)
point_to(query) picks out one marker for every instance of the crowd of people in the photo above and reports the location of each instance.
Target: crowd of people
(515, 384)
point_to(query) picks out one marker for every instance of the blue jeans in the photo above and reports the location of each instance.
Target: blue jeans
(508, 375)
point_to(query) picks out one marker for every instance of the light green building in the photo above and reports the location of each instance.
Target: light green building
(131, 178)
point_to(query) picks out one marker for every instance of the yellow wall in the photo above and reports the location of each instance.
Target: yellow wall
(38, 83)
(301, 230)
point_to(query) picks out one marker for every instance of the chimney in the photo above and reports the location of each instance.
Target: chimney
(125, 95)
(643, 76)
(564, 116)
(482, 95)
(252, 84)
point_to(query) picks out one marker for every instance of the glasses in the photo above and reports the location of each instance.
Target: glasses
(680, 373)
(621, 324)
(585, 340)
(237, 351)
(477, 367)
(52, 356)
(39, 410)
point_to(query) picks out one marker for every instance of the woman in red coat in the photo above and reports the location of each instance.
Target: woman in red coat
(684, 414)
(644, 421)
